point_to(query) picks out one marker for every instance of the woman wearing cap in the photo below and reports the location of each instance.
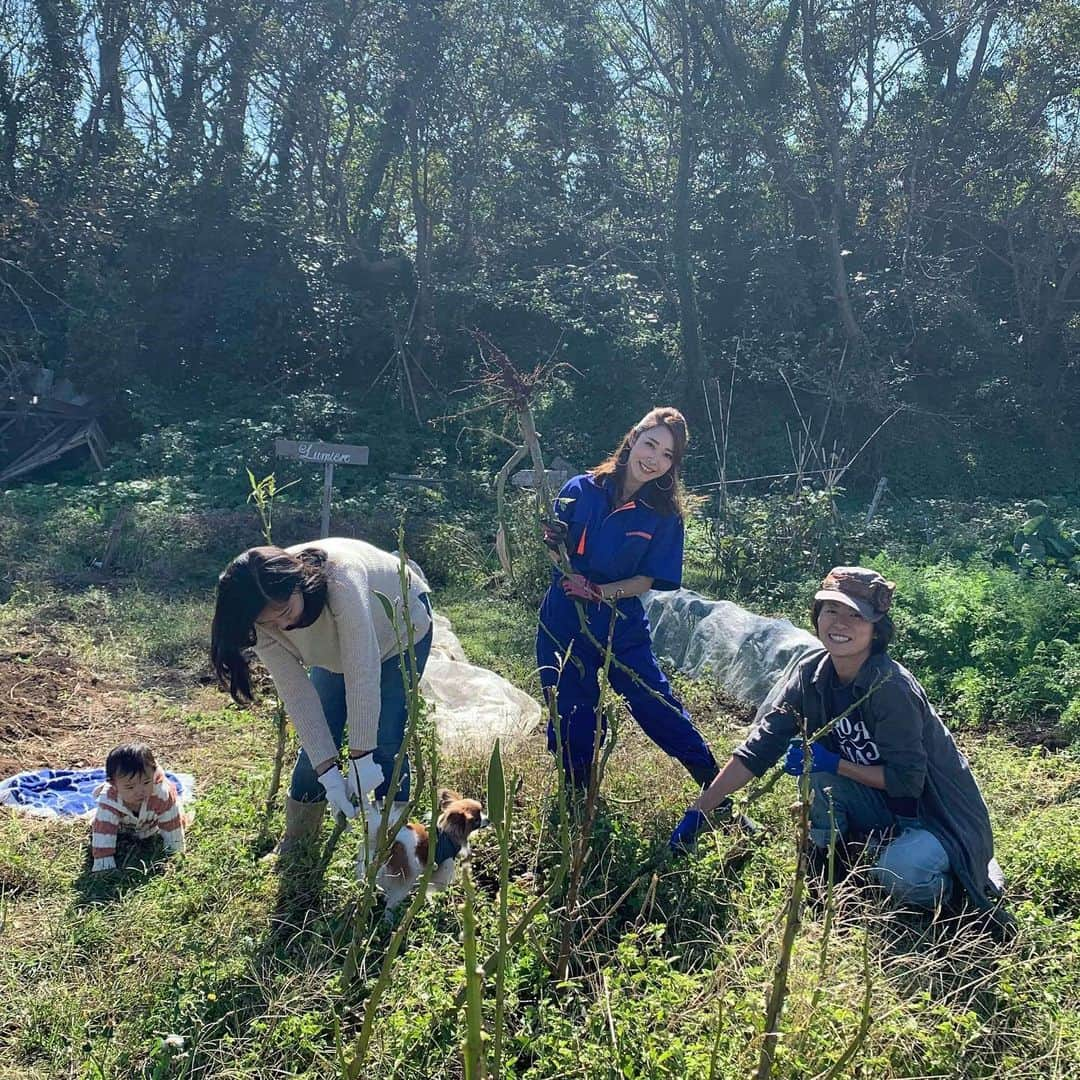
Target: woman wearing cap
(622, 527)
(314, 606)
(901, 790)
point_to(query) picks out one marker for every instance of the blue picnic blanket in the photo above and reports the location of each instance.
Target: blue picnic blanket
(68, 792)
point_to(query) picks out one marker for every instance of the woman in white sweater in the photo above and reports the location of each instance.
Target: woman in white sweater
(312, 615)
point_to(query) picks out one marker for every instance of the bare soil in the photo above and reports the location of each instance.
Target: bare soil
(56, 713)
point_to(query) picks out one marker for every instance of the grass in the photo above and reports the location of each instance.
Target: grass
(671, 963)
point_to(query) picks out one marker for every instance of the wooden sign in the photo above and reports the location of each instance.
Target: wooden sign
(328, 455)
(526, 478)
(557, 473)
(320, 453)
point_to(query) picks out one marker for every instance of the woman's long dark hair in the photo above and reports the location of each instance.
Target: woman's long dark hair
(665, 495)
(255, 578)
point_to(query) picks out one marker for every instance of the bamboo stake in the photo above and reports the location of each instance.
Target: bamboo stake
(281, 724)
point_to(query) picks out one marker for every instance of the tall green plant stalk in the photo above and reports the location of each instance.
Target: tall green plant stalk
(502, 538)
(864, 1018)
(830, 906)
(377, 850)
(772, 778)
(500, 813)
(562, 795)
(491, 964)
(353, 1067)
(473, 1049)
(509, 938)
(778, 989)
(581, 846)
(714, 1055)
(263, 493)
(281, 724)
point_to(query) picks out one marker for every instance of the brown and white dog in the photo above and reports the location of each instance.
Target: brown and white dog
(458, 819)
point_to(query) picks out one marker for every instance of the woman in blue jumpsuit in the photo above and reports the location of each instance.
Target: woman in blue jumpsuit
(623, 530)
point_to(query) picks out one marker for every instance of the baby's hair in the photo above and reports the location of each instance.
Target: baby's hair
(129, 759)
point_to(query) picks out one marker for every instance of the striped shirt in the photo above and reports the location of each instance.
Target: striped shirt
(159, 813)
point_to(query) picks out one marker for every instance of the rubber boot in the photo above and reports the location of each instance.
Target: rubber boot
(303, 822)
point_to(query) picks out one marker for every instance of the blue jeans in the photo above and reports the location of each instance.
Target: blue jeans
(393, 720)
(913, 868)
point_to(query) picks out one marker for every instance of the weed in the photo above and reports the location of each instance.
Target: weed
(668, 969)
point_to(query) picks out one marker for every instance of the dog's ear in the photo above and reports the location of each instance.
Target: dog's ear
(446, 797)
(454, 823)
(477, 818)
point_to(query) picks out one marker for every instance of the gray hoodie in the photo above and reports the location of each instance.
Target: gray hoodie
(919, 756)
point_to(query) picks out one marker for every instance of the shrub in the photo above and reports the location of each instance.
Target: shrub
(766, 549)
(987, 643)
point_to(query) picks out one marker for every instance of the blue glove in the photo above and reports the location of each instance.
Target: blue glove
(693, 824)
(821, 758)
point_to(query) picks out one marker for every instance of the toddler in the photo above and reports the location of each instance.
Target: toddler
(136, 798)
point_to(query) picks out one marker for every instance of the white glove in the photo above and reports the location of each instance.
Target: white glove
(336, 795)
(364, 776)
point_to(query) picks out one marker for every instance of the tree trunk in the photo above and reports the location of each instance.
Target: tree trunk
(838, 204)
(60, 46)
(105, 123)
(422, 40)
(11, 111)
(689, 316)
(229, 157)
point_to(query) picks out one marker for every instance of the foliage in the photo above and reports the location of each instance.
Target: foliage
(532, 567)
(670, 961)
(263, 494)
(1045, 851)
(879, 206)
(241, 966)
(1040, 542)
(993, 640)
(988, 644)
(766, 548)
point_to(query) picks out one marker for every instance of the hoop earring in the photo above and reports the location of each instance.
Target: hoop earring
(670, 486)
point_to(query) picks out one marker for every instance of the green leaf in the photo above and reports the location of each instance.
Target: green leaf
(387, 604)
(496, 788)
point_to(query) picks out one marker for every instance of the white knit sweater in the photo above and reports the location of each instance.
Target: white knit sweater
(352, 636)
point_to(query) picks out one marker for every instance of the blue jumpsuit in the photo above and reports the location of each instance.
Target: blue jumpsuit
(608, 543)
